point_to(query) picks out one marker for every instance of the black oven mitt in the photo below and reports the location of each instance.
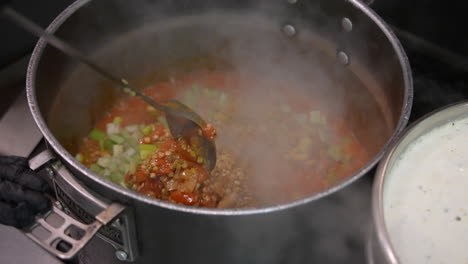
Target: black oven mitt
(22, 192)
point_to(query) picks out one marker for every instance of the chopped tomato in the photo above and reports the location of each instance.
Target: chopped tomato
(151, 188)
(168, 144)
(184, 198)
(159, 130)
(128, 178)
(140, 176)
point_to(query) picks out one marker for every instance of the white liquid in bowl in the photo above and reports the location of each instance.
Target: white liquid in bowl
(426, 198)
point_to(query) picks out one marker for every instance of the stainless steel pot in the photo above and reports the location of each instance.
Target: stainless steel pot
(358, 51)
(379, 246)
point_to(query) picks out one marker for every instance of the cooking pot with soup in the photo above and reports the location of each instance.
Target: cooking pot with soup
(419, 197)
(305, 97)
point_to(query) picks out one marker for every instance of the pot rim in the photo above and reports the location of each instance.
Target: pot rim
(380, 228)
(96, 179)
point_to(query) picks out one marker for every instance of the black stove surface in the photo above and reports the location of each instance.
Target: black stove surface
(435, 85)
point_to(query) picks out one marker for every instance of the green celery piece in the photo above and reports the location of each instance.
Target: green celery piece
(115, 177)
(96, 168)
(222, 99)
(107, 144)
(146, 149)
(132, 166)
(117, 120)
(117, 139)
(104, 162)
(148, 129)
(97, 134)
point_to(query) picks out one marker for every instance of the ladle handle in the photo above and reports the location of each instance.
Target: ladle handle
(69, 50)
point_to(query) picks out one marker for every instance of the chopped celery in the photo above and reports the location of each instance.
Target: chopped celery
(148, 129)
(116, 139)
(117, 120)
(222, 99)
(146, 149)
(117, 150)
(129, 152)
(104, 161)
(132, 166)
(115, 178)
(132, 128)
(97, 134)
(106, 173)
(79, 157)
(112, 128)
(113, 165)
(315, 117)
(107, 144)
(96, 168)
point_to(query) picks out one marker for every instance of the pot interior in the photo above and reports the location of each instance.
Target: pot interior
(368, 94)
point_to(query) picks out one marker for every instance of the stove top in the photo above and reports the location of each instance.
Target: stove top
(435, 85)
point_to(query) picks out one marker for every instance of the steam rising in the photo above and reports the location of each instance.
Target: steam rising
(257, 48)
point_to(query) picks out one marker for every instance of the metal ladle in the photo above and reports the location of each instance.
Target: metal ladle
(182, 121)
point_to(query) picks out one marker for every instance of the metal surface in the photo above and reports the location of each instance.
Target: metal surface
(289, 30)
(380, 248)
(343, 58)
(59, 234)
(347, 24)
(40, 160)
(86, 206)
(95, 213)
(182, 120)
(232, 236)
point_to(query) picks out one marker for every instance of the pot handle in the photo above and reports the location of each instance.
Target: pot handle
(58, 232)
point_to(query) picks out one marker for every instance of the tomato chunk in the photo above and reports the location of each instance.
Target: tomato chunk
(184, 198)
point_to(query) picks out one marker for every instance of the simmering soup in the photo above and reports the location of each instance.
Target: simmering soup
(272, 147)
